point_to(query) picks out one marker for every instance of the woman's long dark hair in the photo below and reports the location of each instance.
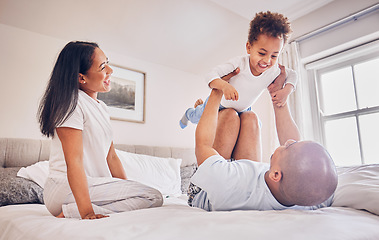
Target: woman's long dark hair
(61, 95)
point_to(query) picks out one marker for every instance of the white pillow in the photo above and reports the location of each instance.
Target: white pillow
(37, 172)
(358, 187)
(162, 174)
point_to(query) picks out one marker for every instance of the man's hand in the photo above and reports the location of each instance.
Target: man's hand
(230, 75)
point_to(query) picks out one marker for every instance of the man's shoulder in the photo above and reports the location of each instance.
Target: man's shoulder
(212, 160)
(253, 164)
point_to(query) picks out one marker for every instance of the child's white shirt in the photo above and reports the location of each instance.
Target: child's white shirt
(248, 86)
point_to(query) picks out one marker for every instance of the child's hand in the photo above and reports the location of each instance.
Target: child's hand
(230, 93)
(279, 98)
(278, 83)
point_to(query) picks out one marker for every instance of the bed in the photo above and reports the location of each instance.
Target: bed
(353, 215)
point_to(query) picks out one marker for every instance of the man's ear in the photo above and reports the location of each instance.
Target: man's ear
(275, 175)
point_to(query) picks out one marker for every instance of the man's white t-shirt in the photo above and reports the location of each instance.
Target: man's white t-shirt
(236, 185)
(92, 118)
(248, 86)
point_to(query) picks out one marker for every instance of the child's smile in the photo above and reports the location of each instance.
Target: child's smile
(263, 53)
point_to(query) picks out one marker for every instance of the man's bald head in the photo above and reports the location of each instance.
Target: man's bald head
(309, 175)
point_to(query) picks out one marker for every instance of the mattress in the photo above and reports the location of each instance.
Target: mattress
(176, 220)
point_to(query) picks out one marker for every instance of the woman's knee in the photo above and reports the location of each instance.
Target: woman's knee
(157, 199)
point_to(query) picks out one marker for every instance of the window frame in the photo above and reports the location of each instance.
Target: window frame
(315, 69)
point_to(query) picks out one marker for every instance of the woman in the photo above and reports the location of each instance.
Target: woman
(86, 178)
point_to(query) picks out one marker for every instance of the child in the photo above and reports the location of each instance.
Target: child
(267, 35)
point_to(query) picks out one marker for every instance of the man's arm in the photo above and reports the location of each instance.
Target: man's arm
(206, 128)
(285, 125)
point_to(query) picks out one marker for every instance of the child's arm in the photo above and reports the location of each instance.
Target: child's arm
(283, 85)
(278, 82)
(280, 97)
(206, 128)
(228, 90)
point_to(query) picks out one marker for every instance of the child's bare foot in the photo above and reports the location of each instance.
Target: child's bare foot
(60, 215)
(198, 102)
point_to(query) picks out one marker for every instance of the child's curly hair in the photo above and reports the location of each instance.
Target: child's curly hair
(271, 24)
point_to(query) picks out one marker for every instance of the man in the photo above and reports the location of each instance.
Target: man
(301, 173)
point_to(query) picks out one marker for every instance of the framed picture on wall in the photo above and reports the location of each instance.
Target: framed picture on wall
(126, 99)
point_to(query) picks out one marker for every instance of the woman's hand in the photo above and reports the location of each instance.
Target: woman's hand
(92, 216)
(114, 164)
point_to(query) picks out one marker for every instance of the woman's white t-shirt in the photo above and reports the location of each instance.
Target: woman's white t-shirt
(92, 118)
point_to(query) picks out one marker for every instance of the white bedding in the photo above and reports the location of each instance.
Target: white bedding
(358, 188)
(176, 220)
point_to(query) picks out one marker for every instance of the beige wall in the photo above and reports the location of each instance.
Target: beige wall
(27, 59)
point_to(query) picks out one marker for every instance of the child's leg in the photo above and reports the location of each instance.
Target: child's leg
(248, 144)
(184, 120)
(193, 114)
(198, 102)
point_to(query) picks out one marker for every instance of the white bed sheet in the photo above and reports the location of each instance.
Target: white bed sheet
(175, 220)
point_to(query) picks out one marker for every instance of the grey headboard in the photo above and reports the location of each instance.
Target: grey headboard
(19, 152)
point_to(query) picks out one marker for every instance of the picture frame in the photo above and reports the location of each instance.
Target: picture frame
(126, 99)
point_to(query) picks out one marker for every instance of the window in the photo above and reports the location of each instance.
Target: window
(347, 99)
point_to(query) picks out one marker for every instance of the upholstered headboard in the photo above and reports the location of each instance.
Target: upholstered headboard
(17, 152)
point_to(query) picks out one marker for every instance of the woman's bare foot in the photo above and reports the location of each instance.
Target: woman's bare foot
(60, 215)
